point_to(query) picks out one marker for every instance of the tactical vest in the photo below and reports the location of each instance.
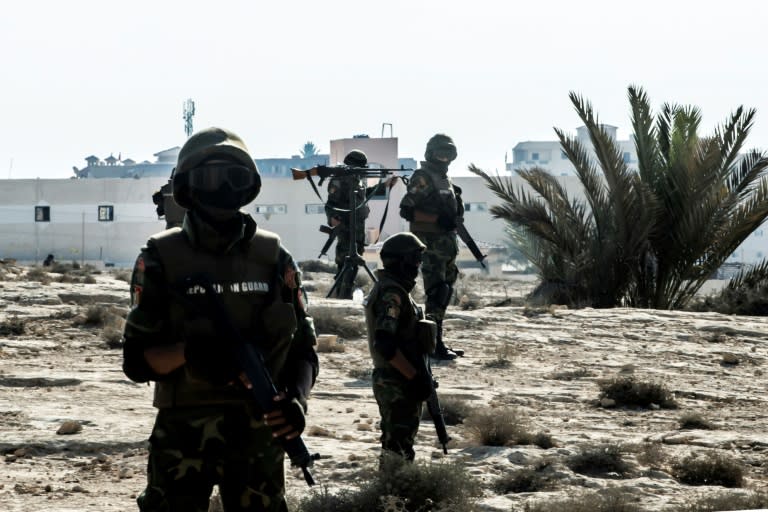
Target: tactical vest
(245, 280)
(442, 200)
(410, 314)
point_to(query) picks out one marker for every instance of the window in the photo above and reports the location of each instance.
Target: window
(42, 214)
(627, 157)
(475, 207)
(314, 208)
(534, 156)
(270, 208)
(106, 213)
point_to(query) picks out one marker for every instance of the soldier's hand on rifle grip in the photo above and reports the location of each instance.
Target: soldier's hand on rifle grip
(287, 420)
(335, 221)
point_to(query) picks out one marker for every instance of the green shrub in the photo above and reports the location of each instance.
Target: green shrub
(631, 392)
(710, 468)
(598, 460)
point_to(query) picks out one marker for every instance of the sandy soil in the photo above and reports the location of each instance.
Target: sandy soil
(62, 369)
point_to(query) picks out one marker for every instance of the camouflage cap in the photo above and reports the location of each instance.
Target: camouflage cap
(440, 143)
(356, 158)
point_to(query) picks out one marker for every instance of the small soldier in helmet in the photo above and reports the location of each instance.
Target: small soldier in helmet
(337, 209)
(208, 431)
(400, 341)
(433, 207)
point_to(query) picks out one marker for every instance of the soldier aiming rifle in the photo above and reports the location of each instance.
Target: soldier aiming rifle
(346, 209)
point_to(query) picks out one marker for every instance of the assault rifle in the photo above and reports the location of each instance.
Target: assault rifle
(433, 406)
(254, 367)
(331, 232)
(461, 230)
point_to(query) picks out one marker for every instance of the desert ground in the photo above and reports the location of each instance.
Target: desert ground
(73, 428)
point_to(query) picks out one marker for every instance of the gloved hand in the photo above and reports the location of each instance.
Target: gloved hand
(419, 387)
(287, 420)
(211, 360)
(446, 222)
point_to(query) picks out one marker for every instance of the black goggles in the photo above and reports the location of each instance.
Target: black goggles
(213, 176)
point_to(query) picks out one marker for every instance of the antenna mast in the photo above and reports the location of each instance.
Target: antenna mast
(189, 113)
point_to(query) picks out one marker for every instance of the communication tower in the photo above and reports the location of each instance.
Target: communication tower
(189, 113)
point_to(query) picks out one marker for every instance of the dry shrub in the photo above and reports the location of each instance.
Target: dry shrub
(112, 336)
(123, 275)
(598, 460)
(89, 279)
(710, 468)
(330, 321)
(505, 353)
(498, 427)
(694, 420)
(609, 500)
(329, 344)
(651, 455)
(522, 480)
(399, 486)
(323, 266)
(455, 409)
(575, 374)
(726, 501)
(38, 274)
(13, 326)
(629, 391)
(363, 373)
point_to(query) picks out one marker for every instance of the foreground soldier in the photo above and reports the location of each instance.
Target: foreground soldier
(338, 198)
(400, 341)
(433, 206)
(208, 431)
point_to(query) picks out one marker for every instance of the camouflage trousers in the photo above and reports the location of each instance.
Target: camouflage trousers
(439, 266)
(192, 449)
(347, 283)
(400, 416)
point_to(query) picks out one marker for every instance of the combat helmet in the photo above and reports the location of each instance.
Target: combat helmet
(402, 247)
(440, 144)
(203, 145)
(356, 158)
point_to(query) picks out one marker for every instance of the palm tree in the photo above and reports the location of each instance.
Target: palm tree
(648, 238)
(309, 150)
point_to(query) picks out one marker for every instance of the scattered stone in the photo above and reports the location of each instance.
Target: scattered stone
(607, 402)
(729, 358)
(69, 427)
(78, 488)
(125, 473)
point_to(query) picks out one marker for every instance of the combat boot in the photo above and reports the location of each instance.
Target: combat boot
(459, 352)
(442, 353)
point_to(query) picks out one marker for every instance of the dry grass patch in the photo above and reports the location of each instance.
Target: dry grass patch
(329, 343)
(504, 426)
(522, 480)
(609, 500)
(726, 501)
(330, 321)
(13, 326)
(574, 374)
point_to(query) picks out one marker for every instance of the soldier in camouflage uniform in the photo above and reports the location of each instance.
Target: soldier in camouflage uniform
(337, 210)
(433, 206)
(399, 339)
(208, 431)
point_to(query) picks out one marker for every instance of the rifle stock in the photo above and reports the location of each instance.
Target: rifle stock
(461, 230)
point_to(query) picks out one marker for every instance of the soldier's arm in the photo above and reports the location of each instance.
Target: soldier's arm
(302, 365)
(387, 314)
(149, 352)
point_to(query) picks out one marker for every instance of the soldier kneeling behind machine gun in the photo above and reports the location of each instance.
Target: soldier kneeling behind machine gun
(400, 341)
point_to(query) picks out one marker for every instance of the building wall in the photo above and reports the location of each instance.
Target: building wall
(289, 208)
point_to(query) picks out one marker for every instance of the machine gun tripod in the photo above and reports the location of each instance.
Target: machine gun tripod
(352, 260)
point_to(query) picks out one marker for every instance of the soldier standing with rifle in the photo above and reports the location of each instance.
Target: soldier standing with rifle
(400, 341)
(218, 323)
(337, 210)
(434, 208)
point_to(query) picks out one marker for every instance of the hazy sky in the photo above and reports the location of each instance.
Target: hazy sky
(82, 78)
